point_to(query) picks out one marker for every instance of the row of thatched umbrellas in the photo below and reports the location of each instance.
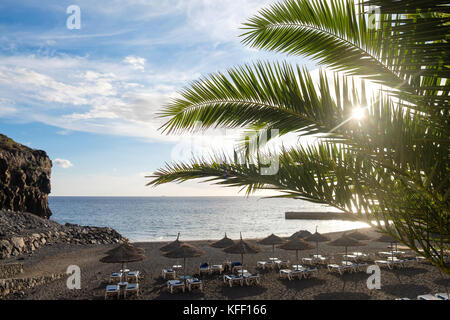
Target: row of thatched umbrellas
(177, 249)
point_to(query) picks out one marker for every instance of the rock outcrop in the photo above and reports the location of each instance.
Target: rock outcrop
(23, 233)
(24, 178)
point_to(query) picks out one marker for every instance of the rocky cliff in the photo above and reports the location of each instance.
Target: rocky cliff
(24, 178)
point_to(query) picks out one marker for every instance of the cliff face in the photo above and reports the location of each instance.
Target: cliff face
(24, 178)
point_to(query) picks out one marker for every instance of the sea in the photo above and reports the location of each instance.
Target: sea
(150, 219)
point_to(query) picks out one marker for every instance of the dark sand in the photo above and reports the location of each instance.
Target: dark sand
(416, 279)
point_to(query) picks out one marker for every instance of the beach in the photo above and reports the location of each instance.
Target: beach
(409, 282)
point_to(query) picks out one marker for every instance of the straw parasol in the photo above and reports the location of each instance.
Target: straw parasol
(124, 253)
(173, 245)
(225, 242)
(296, 244)
(346, 241)
(184, 251)
(317, 237)
(242, 247)
(359, 235)
(300, 234)
(271, 240)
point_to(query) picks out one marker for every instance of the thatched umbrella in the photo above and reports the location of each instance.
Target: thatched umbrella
(300, 234)
(225, 242)
(271, 240)
(173, 245)
(242, 247)
(346, 241)
(317, 237)
(388, 239)
(359, 235)
(184, 251)
(124, 253)
(296, 244)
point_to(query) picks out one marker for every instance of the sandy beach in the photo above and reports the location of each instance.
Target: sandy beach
(411, 281)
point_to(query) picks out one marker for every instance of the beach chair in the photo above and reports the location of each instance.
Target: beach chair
(309, 272)
(251, 279)
(402, 299)
(112, 291)
(204, 268)
(132, 288)
(194, 283)
(285, 274)
(174, 284)
(442, 296)
(340, 268)
(361, 267)
(282, 264)
(236, 266)
(427, 297)
(133, 277)
(217, 268)
(115, 277)
(231, 279)
(169, 274)
(261, 264)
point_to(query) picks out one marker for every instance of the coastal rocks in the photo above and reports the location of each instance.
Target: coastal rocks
(24, 233)
(24, 178)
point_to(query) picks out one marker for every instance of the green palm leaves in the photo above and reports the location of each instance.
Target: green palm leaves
(391, 168)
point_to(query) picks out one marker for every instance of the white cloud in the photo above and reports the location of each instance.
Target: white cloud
(137, 63)
(65, 164)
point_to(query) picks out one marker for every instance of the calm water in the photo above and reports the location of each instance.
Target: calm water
(157, 219)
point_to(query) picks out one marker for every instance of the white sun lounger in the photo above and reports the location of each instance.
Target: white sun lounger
(217, 268)
(285, 274)
(172, 284)
(112, 290)
(282, 264)
(194, 283)
(231, 279)
(251, 278)
(169, 274)
(115, 277)
(427, 297)
(340, 268)
(442, 296)
(204, 268)
(132, 288)
(133, 277)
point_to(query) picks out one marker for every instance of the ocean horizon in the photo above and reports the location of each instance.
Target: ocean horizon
(151, 219)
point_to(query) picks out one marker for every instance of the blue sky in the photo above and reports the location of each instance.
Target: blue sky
(88, 97)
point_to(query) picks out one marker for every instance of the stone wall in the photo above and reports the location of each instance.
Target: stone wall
(16, 287)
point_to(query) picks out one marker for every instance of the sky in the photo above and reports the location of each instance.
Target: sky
(88, 96)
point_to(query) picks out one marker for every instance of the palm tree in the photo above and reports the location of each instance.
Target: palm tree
(387, 165)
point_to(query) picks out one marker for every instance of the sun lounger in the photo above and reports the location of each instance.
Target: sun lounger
(217, 268)
(285, 274)
(112, 290)
(204, 268)
(442, 296)
(132, 288)
(172, 284)
(361, 267)
(115, 277)
(194, 283)
(251, 278)
(282, 264)
(308, 272)
(341, 268)
(133, 277)
(261, 264)
(169, 274)
(236, 266)
(427, 297)
(231, 279)
(403, 299)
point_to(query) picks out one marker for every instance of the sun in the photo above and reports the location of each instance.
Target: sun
(358, 113)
